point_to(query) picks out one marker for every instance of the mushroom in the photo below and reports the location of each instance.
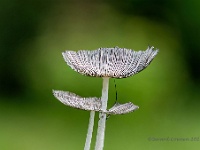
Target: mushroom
(91, 104)
(108, 63)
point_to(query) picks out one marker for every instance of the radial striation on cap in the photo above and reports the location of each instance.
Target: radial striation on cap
(75, 101)
(109, 62)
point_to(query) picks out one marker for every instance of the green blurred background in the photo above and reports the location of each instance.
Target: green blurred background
(33, 35)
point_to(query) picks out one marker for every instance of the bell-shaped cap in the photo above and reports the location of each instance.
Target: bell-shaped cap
(75, 101)
(109, 62)
(119, 109)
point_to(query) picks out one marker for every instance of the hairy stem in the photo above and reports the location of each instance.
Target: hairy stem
(102, 116)
(90, 130)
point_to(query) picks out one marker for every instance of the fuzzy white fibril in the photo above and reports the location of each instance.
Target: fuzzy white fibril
(90, 130)
(102, 116)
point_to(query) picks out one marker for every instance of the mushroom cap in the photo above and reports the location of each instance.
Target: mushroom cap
(75, 101)
(119, 109)
(109, 62)
(92, 103)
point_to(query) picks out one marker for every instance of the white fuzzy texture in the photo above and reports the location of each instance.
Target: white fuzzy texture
(119, 109)
(109, 62)
(73, 100)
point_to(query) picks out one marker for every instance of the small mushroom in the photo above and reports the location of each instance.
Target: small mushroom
(92, 103)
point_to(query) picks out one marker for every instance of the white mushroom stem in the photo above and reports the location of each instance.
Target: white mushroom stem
(90, 130)
(102, 116)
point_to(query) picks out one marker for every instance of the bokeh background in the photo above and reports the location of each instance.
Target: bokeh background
(33, 35)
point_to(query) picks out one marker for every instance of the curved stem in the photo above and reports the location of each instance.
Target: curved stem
(90, 130)
(102, 116)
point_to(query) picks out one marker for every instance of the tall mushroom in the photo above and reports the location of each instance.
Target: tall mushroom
(91, 104)
(108, 63)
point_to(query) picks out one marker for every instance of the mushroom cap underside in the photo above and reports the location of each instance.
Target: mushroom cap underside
(109, 62)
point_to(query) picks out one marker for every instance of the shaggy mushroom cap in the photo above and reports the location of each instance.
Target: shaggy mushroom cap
(109, 62)
(119, 109)
(92, 103)
(75, 101)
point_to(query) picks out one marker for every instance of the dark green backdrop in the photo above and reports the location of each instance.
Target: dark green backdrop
(34, 33)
